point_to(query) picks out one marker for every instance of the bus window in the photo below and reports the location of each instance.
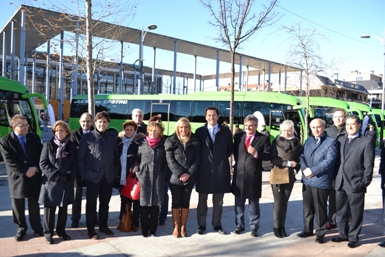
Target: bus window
(224, 111)
(4, 114)
(200, 109)
(179, 109)
(144, 105)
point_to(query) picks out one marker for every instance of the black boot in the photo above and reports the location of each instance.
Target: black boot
(277, 232)
(283, 232)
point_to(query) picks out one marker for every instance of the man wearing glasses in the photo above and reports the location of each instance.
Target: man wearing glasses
(21, 153)
(85, 127)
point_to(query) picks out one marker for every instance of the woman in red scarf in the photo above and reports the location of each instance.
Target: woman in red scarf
(151, 172)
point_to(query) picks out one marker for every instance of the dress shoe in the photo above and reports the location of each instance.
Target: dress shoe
(277, 233)
(320, 239)
(330, 226)
(304, 234)
(382, 244)
(220, 230)
(352, 244)
(75, 224)
(65, 237)
(201, 230)
(338, 239)
(283, 231)
(39, 232)
(238, 230)
(134, 229)
(19, 236)
(254, 232)
(144, 233)
(49, 240)
(106, 231)
(162, 223)
(93, 235)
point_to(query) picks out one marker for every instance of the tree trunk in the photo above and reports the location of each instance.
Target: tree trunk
(231, 118)
(90, 69)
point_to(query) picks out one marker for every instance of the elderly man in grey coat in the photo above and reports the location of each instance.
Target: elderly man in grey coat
(318, 159)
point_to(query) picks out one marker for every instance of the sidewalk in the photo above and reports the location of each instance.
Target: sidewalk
(209, 244)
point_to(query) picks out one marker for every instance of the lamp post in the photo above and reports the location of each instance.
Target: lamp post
(382, 40)
(141, 75)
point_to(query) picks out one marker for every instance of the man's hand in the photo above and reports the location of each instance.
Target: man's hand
(307, 172)
(31, 172)
(251, 150)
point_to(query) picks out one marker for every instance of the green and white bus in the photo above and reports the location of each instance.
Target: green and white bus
(274, 106)
(16, 99)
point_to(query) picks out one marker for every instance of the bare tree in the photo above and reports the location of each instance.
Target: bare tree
(237, 21)
(82, 18)
(304, 53)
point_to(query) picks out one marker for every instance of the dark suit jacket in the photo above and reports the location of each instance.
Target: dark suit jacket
(356, 168)
(247, 178)
(17, 164)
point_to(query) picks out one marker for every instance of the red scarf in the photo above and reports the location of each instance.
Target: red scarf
(153, 141)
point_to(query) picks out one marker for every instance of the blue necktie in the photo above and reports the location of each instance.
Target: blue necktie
(22, 142)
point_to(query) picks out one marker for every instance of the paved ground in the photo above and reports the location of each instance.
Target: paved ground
(209, 244)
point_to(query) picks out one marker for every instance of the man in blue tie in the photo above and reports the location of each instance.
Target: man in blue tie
(21, 153)
(214, 171)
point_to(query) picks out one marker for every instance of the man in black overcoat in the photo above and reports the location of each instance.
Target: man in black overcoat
(85, 127)
(21, 153)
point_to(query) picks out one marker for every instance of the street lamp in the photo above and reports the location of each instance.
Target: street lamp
(382, 40)
(142, 36)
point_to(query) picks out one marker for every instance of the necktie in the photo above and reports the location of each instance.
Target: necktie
(317, 139)
(213, 134)
(350, 140)
(248, 141)
(22, 142)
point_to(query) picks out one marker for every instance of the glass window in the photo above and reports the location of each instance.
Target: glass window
(200, 109)
(144, 105)
(224, 111)
(180, 109)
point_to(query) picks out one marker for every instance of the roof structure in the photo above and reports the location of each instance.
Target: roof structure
(50, 27)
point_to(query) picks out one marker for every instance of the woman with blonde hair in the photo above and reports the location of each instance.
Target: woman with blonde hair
(183, 158)
(285, 152)
(151, 171)
(58, 162)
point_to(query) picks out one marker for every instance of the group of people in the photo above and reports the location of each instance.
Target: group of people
(336, 163)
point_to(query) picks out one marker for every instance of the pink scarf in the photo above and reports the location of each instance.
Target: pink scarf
(153, 141)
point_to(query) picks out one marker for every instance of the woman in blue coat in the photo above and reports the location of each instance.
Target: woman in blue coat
(58, 164)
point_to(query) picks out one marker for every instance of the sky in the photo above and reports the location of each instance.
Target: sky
(341, 22)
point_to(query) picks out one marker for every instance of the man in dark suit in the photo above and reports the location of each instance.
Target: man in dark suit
(99, 163)
(250, 149)
(335, 131)
(354, 175)
(137, 116)
(85, 127)
(214, 171)
(319, 155)
(21, 153)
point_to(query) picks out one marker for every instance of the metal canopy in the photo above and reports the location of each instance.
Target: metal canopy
(43, 25)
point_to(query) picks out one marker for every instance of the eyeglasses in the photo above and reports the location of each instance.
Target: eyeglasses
(23, 125)
(85, 121)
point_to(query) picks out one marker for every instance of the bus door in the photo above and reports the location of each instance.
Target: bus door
(164, 110)
(276, 117)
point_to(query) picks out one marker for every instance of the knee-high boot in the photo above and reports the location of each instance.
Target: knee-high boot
(184, 217)
(176, 220)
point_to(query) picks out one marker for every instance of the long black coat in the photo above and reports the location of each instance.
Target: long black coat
(182, 159)
(214, 169)
(152, 173)
(98, 156)
(17, 164)
(55, 193)
(247, 178)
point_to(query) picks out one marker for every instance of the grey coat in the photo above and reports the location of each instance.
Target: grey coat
(152, 173)
(55, 193)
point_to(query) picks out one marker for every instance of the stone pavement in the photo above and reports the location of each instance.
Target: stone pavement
(209, 244)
